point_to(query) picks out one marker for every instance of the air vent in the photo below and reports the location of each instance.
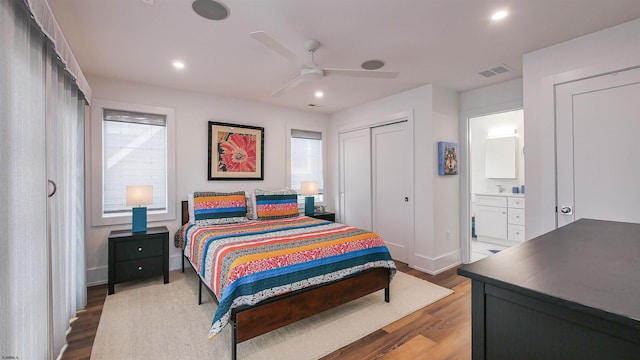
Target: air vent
(500, 69)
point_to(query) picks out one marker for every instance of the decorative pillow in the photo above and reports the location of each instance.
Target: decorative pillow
(211, 208)
(251, 205)
(192, 216)
(276, 204)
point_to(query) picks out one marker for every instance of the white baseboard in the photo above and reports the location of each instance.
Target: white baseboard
(434, 266)
(97, 275)
(100, 275)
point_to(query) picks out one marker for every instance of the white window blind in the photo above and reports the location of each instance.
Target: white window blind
(306, 160)
(134, 153)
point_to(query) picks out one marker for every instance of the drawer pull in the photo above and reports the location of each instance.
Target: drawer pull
(139, 249)
(139, 268)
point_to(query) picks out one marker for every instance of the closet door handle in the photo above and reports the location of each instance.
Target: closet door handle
(55, 188)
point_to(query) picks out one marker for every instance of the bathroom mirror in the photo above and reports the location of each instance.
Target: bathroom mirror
(501, 161)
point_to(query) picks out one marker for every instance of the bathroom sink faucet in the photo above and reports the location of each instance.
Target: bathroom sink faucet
(500, 188)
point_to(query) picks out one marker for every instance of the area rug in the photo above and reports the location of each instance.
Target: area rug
(151, 320)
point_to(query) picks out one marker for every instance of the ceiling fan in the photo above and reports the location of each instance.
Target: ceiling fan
(313, 71)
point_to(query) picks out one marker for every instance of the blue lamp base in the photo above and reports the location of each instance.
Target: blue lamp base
(308, 206)
(139, 219)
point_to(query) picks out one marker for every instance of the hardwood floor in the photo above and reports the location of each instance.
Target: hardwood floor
(83, 329)
(441, 330)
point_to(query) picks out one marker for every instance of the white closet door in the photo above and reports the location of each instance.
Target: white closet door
(598, 122)
(392, 179)
(355, 178)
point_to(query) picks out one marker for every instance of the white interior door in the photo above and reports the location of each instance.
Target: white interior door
(598, 122)
(355, 178)
(392, 181)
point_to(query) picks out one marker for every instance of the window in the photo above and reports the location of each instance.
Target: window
(306, 161)
(134, 146)
(134, 153)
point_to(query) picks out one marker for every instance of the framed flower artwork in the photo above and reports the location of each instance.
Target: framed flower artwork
(236, 152)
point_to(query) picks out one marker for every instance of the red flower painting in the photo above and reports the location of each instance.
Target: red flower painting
(236, 152)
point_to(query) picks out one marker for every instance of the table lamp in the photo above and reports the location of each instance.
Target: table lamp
(137, 196)
(309, 189)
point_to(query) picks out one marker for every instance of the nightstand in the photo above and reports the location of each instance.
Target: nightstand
(134, 256)
(329, 216)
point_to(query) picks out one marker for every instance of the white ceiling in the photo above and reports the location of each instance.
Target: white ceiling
(444, 42)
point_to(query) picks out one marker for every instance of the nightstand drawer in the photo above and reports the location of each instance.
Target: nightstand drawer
(137, 249)
(138, 269)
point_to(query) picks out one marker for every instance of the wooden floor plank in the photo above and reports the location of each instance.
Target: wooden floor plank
(412, 349)
(441, 330)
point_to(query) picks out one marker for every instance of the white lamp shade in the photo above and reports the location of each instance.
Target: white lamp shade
(139, 195)
(309, 188)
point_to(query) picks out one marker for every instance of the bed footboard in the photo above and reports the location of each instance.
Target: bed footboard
(271, 314)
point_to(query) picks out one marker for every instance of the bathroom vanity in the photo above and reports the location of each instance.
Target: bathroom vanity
(499, 218)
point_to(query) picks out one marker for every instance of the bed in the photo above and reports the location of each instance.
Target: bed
(279, 303)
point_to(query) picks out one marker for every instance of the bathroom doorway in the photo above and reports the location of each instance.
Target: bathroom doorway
(496, 182)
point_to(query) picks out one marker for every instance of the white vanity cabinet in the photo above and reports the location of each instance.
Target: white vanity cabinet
(500, 218)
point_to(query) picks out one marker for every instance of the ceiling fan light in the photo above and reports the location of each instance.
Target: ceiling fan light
(210, 9)
(372, 64)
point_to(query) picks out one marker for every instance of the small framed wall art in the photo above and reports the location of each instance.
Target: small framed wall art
(236, 152)
(447, 158)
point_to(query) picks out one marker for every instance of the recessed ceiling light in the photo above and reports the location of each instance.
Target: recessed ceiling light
(178, 64)
(499, 15)
(372, 64)
(319, 94)
(210, 9)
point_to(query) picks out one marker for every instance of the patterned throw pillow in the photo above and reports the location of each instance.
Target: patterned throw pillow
(212, 208)
(276, 204)
(251, 205)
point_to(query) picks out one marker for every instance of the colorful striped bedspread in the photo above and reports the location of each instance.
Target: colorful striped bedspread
(249, 262)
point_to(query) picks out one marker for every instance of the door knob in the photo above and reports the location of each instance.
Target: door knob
(566, 210)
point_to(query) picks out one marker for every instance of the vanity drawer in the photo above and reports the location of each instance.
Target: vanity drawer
(516, 216)
(515, 232)
(487, 200)
(516, 202)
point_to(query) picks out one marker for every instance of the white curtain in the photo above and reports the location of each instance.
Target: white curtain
(42, 271)
(65, 164)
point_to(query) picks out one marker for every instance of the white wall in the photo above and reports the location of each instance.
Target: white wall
(479, 128)
(436, 201)
(594, 54)
(193, 111)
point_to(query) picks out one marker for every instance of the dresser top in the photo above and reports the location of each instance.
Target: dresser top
(592, 264)
(127, 233)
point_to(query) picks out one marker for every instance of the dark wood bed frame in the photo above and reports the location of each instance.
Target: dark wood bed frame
(270, 314)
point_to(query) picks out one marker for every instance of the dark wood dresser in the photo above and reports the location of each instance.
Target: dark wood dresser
(134, 256)
(573, 293)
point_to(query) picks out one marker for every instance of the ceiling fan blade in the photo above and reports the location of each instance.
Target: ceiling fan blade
(361, 73)
(288, 86)
(274, 45)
